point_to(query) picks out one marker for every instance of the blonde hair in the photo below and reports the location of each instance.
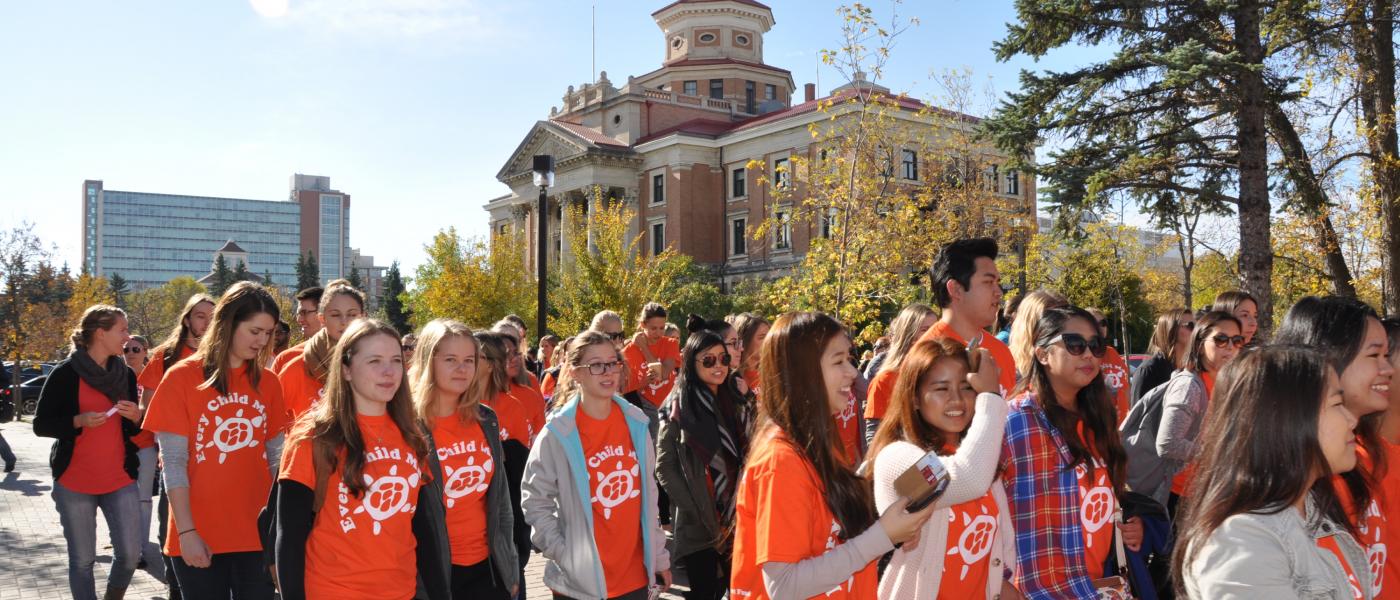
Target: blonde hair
(170, 348)
(422, 376)
(97, 316)
(1023, 326)
(604, 316)
(904, 333)
(573, 357)
(240, 303)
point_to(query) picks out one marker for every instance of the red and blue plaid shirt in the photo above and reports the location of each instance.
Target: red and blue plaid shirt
(1043, 493)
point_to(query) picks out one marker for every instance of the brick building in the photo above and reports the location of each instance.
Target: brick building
(675, 144)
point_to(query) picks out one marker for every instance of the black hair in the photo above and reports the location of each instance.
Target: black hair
(312, 293)
(1196, 354)
(696, 324)
(957, 261)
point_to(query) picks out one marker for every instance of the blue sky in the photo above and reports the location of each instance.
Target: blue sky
(411, 106)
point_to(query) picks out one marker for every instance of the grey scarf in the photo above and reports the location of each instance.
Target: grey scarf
(111, 381)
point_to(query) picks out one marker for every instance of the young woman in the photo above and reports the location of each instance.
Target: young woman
(590, 490)
(805, 524)
(938, 406)
(1255, 525)
(1244, 307)
(1063, 462)
(219, 419)
(1022, 343)
(752, 330)
(467, 440)
(89, 405)
(492, 388)
(522, 387)
(1170, 342)
(651, 356)
(906, 329)
(1390, 486)
(304, 376)
(1350, 337)
(356, 503)
(1214, 344)
(699, 457)
(550, 379)
(138, 352)
(545, 353)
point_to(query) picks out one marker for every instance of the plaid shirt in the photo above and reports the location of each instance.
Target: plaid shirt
(1043, 493)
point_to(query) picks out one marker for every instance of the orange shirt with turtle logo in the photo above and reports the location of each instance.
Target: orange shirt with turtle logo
(614, 478)
(301, 391)
(467, 468)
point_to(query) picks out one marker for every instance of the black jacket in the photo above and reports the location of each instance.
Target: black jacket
(58, 404)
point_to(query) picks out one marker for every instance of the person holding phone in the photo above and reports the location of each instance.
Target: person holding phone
(805, 523)
(938, 405)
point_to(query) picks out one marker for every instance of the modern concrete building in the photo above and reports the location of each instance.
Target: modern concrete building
(150, 238)
(675, 145)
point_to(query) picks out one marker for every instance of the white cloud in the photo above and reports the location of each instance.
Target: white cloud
(397, 19)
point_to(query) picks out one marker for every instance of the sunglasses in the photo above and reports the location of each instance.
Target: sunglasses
(1076, 344)
(1189, 325)
(616, 335)
(134, 349)
(408, 347)
(709, 361)
(602, 367)
(1221, 339)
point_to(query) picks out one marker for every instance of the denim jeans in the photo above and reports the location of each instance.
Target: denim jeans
(145, 486)
(78, 514)
(6, 455)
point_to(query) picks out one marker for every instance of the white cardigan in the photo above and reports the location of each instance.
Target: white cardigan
(915, 574)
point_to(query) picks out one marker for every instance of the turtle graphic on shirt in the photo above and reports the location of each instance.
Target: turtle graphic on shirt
(833, 538)
(1376, 551)
(234, 433)
(1096, 503)
(387, 496)
(471, 478)
(975, 543)
(616, 487)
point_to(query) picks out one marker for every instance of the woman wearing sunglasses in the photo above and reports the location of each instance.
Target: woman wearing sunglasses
(1215, 342)
(1063, 462)
(589, 493)
(700, 457)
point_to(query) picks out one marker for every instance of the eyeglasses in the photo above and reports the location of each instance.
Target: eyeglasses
(408, 347)
(1221, 339)
(134, 349)
(616, 335)
(709, 361)
(602, 367)
(1076, 344)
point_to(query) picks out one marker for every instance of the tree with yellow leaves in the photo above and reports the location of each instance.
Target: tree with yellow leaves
(471, 280)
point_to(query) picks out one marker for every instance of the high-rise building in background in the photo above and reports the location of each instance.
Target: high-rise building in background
(150, 238)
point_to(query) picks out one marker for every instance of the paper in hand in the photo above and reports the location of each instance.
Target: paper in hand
(923, 482)
(112, 411)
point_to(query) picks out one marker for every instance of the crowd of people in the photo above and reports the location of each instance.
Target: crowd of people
(753, 455)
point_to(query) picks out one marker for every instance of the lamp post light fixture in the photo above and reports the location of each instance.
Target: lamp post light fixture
(544, 179)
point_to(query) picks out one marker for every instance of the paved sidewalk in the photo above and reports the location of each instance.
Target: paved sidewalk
(33, 554)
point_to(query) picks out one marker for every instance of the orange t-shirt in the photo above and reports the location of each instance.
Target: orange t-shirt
(1097, 503)
(99, 453)
(848, 430)
(300, 391)
(1000, 353)
(1183, 477)
(1116, 376)
(228, 470)
(661, 350)
(513, 418)
(781, 516)
(614, 475)
(1373, 524)
(967, 563)
(467, 468)
(363, 547)
(286, 356)
(1329, 543)
(533, 403)
(150, 379)
(1390, 536)
(751, 378)
(877, 399)
(547, 386)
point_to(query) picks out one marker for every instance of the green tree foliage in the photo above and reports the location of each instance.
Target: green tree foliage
(308, 274)
(153, 311)
(223, 277)
(471, 280)
(355, 280)
(395, 292)
(120, 289)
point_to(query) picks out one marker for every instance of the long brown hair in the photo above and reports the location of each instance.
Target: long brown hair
(1022, 338)
(331, 425)
(1196, 352)
(1166, 334)
(903, 423)
(1093, 406)
(904, 332)
(491, 350)
(1259, 451)
(795, 401)
(240, 303)
(422, 375)
(170, 348)
(747, 325)
(97, 316)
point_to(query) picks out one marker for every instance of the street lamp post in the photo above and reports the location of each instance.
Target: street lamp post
(544, 178)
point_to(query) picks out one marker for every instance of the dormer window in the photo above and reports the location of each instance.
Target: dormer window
(742, 40)
(707, 38)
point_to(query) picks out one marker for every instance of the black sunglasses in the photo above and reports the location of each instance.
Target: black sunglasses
(709, 361)
(134, 349)
(616, 335)
(1076, 344)
(1221, 339)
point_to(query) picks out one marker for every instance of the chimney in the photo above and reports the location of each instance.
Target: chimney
(809, 92)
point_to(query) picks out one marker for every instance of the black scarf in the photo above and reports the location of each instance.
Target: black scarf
(712, 427)
(111, 381)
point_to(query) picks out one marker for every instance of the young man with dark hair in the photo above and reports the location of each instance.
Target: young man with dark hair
(967, 288)
(309, 319)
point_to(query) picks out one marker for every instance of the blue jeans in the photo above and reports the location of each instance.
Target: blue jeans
(78, 514)
(145, 486)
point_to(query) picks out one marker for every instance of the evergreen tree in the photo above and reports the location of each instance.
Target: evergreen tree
(311, 272)
(354, 279)
(267, 279)
(223, 277)
(394, 289)
(240, 273)
(119, 288)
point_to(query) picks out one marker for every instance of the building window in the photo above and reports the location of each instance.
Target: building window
(1013, 183)
(739, 183)
(717, 88)
(690, 88)
(909, 161)
(658, 188)
(707, 38)
(738, 236)
(658, 238)
(742, 40)
(782, 175)
(770, 92)
(749, 97)
(828, 220)
(991, 177)
(782, 234)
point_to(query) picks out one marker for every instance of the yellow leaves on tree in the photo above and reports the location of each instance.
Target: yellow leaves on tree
(473, 281)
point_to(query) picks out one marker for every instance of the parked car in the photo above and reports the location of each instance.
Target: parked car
(29, 394)
(7, 405)
(1136, 360)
